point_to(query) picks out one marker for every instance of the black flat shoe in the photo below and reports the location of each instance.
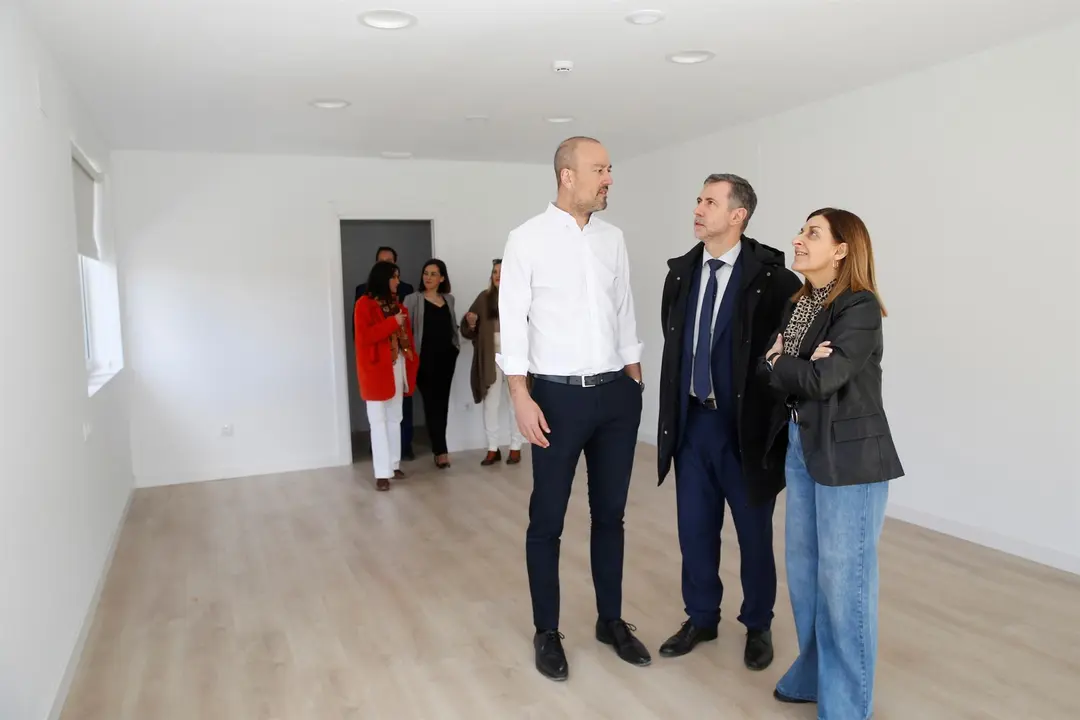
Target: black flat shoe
(790, 700)
(686, 639)
(550, 656)
(759, 649)
(620, 635)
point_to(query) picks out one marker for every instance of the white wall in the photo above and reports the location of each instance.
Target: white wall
(61, 499)
(233, 280)
(968, 176)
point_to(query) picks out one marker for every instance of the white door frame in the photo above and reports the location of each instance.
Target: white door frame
(342, 421)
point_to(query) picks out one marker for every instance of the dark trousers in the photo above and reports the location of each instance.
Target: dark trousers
(406, 426)
(603, 423)
(433, 379)
(708, 473)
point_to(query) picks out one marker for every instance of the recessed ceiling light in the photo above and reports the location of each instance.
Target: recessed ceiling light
(388, 19)
(691, 57)
(563, 119)
(330, 104)
(645, 17)
(397, 155)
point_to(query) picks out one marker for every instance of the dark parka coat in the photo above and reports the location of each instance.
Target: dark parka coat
(766, 287)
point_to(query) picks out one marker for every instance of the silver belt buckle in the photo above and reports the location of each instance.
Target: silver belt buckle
(584, 382)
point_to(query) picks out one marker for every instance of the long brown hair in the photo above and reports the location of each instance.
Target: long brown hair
(493, 291)
(856, 271)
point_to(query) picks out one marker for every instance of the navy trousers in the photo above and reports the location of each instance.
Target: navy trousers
(406, 426)
(603, 423)
(708, 472)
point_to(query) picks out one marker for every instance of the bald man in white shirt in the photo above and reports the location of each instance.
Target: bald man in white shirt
(567, 325)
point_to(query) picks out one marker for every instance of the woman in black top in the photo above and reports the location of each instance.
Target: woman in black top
(827, 362)
(435, 327)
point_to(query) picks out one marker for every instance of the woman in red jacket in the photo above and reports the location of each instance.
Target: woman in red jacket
(386, 364)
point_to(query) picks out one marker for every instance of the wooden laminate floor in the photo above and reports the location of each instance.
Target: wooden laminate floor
(311, 596)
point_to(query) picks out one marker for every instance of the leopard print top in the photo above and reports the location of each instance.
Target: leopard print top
(802, 316)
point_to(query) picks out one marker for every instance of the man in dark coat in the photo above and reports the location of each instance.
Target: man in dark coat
(721, 304)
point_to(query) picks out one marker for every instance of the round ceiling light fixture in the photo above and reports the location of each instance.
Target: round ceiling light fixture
(388, 19)
(691, 57)
(330, 104)
(645, 17)
(560, 119)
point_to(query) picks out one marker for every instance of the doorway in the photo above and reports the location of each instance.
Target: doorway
(360, 241)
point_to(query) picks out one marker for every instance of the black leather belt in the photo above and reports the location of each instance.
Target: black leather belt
(706, 404)
(582, 380)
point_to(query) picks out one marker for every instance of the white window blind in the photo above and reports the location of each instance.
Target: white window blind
(84, 210)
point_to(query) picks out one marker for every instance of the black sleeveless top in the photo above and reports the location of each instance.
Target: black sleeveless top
(438, 330)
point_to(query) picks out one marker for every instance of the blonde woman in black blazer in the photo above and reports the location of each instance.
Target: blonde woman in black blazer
(826, 362)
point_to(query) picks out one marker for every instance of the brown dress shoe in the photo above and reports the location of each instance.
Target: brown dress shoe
(514, 458)
(491, 458)
(382, 484)
(399, 475)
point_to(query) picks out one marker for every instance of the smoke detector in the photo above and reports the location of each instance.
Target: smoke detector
(563, 66)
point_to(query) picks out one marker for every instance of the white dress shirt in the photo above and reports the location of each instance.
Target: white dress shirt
(565, 306)
(723, 274)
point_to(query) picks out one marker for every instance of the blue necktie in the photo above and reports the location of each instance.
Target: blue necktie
(702, 353)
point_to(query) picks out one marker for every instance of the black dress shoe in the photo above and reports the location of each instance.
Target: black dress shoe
(684, 641)
(619, 635)
(759, 650)
(550, 657)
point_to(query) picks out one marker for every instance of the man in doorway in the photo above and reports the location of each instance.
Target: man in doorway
(721, 305)
(571, 353)
(386, 254)
(389, 254)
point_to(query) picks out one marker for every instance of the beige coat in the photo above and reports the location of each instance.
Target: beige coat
(482, 375)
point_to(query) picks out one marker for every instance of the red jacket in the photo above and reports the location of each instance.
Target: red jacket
(373, 368)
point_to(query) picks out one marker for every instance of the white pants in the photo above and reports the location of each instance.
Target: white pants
(492, 403)
(384, 417)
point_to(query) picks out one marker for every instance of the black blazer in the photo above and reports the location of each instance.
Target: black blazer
(765, 288)
(845, 434)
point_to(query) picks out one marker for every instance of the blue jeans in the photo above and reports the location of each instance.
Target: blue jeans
(832, 572)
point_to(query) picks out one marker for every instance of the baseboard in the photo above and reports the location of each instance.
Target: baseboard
(88, 620)
(184, 477)
(979, 536)
(987, 538)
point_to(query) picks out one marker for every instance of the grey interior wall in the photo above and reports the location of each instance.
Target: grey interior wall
(360, 239)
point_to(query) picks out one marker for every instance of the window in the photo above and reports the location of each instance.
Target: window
(98, 279)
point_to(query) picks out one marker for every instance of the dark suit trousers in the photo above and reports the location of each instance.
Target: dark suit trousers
(603, 423)
(406, 425)
(708, 473)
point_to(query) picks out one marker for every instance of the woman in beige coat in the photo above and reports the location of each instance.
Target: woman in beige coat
(481, 326)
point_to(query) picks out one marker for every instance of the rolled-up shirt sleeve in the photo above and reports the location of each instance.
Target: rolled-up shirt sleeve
(629, 345)
(515, 297)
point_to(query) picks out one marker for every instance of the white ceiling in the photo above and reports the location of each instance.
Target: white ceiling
(237, 75)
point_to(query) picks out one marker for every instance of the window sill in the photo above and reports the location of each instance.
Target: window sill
(100, 380)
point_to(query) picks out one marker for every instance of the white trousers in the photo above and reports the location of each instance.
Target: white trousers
(384, 417)
(492, 402)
